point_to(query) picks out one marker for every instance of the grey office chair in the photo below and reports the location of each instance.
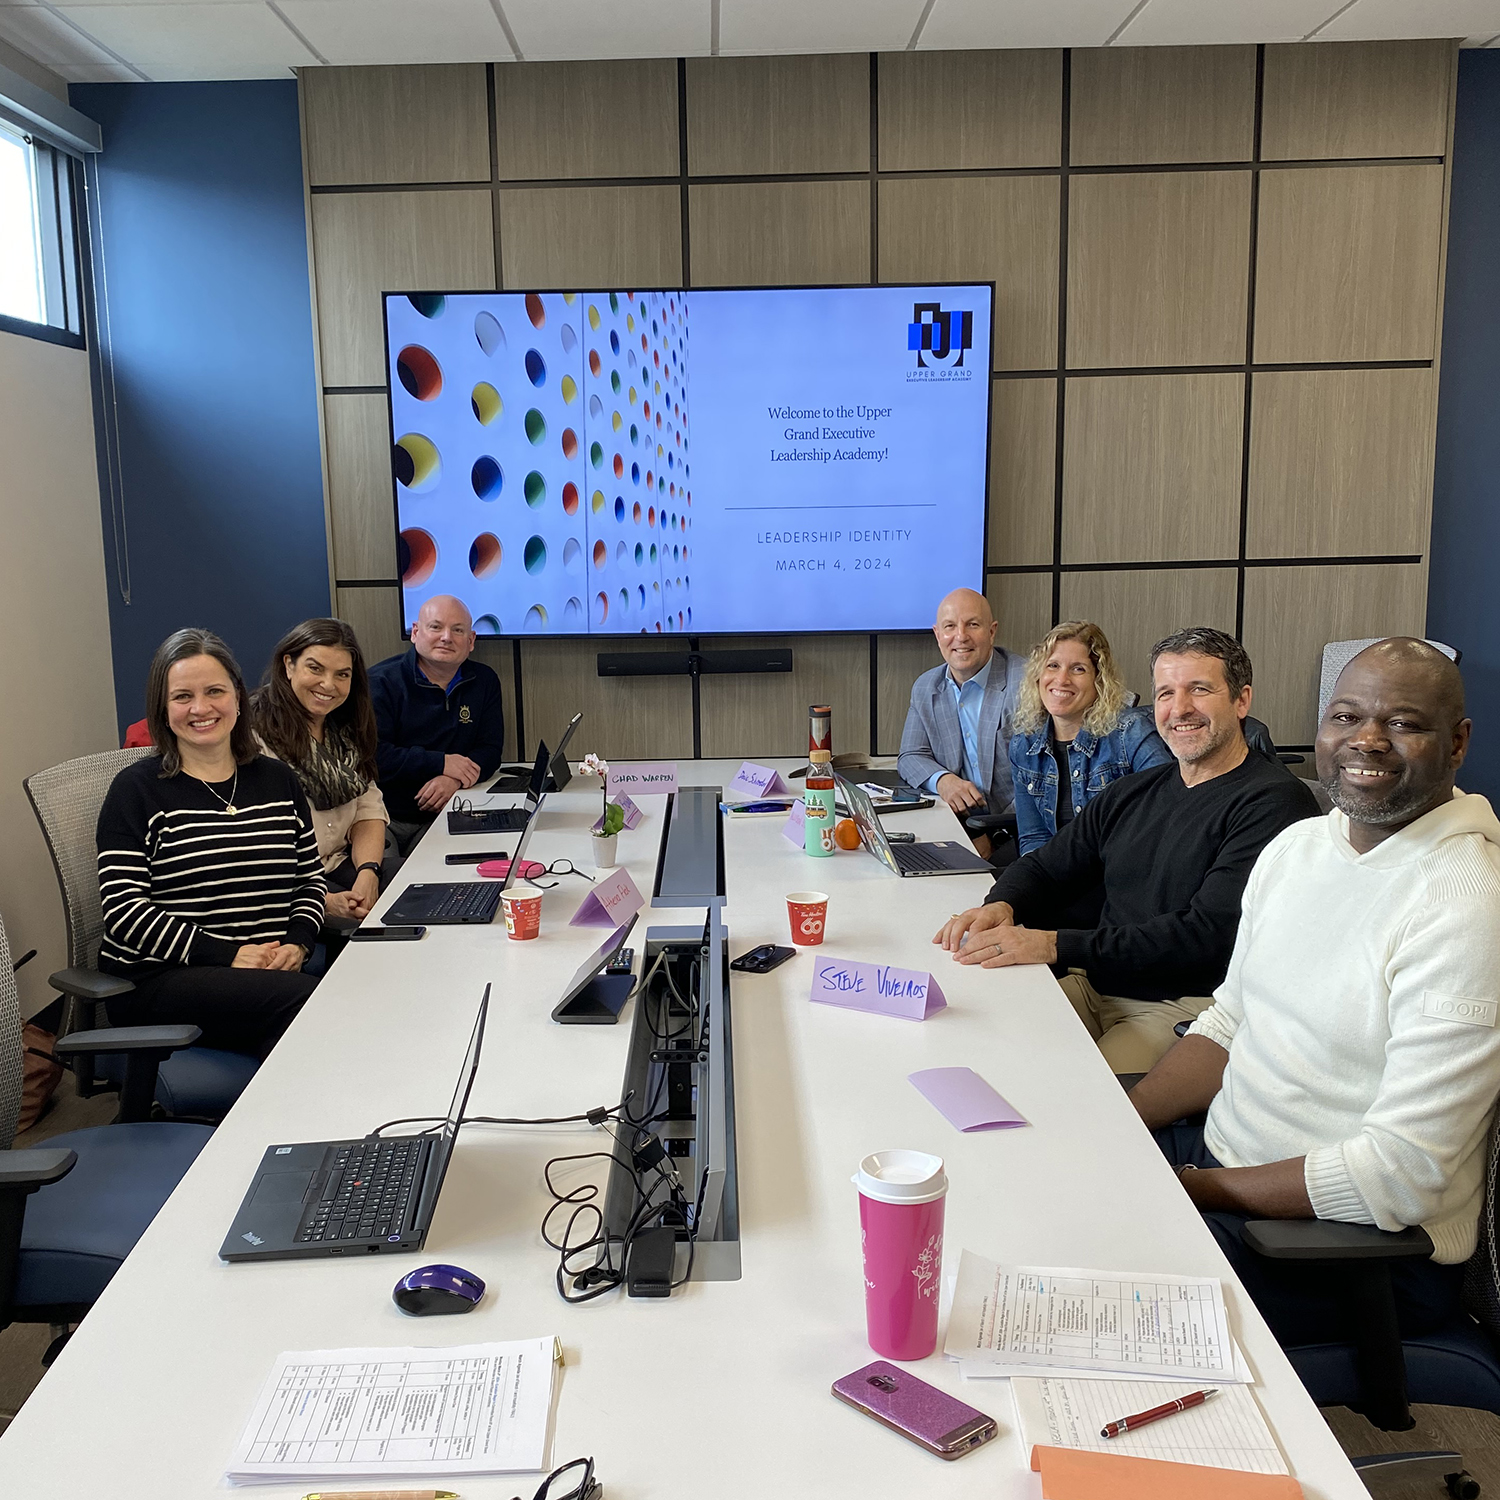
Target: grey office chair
(71, 1210)
(199, 1083)
(1377, 1372)
(1338, 654)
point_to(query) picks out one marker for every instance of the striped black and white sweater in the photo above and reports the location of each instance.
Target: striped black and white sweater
(182, 881)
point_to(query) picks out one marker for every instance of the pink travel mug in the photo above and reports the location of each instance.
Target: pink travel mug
(901, 1195)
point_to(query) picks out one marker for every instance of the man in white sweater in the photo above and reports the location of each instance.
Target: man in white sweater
(1351, 1059)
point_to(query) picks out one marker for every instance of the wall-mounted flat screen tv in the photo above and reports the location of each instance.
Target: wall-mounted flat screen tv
(705, 462)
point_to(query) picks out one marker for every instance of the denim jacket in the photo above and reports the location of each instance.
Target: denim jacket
(1094, 760)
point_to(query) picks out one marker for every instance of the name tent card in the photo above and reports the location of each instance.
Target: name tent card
(633, 814)
(644, 776)
(752, 782)
(965, 1099)
(796, 824)
(613, 900)
(910, 993)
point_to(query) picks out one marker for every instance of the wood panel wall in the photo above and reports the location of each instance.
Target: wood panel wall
(1218, 276)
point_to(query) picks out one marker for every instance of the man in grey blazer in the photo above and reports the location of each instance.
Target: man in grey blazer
(956, 743)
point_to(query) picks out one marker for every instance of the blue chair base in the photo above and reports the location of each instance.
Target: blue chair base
(199, 1083)
(1456, 1366)
(77, 1231)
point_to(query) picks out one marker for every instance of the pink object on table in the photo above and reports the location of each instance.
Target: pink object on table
(794, 829)
(807, 914)
(901, 1201)
(498, 869)
(633, 815)
(965, 1099)
(614, 898)
(912, 994)
(643, 776)
(752, 782)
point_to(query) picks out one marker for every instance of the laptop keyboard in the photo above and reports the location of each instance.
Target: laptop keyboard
(918, 857)
(460, 902)
(370, 1184)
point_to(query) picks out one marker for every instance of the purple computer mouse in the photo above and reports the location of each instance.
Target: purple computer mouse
(437, 1289)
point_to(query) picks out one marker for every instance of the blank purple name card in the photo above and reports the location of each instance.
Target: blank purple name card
(965, 1099)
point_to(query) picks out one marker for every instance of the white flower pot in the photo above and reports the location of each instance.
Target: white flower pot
(604, 850)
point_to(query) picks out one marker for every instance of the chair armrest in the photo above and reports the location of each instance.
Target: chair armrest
(1326, 1239)
(127, 1039)
(991, 823)
(89, 984)
(1288, 759)
(29, 1170)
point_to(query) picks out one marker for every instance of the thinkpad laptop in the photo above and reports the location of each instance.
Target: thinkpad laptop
(452, 902)
(444, 903)
(939, 858)
(351, 1197)
(504, 819)
(559, 771)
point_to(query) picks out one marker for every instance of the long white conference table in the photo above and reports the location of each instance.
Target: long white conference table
(723, 1389)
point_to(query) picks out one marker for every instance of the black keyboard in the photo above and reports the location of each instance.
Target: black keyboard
(918, 857)
(369, 1189)
(470, 899)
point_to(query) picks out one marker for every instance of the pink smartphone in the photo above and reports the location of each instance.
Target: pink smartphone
(936, 1421)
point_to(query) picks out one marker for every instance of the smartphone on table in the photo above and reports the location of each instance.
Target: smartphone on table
(387, 934)
(763, 959)
(934, 1420)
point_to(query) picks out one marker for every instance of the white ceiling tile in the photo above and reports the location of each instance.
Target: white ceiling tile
(178, 42)
(1372, 20)
(384, 31)
(1183, 23)
(548, 30)
(1025, 23)
(47, 38)
(756, 27)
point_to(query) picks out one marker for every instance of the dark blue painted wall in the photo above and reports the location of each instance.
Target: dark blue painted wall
(1463, 593)
(205, 255)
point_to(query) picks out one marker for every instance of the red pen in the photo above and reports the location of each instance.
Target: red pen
(1129, 1424)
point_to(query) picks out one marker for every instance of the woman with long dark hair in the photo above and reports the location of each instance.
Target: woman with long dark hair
(208, 868)
(313, 711)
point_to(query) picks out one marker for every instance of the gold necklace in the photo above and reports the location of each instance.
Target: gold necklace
(228, 801)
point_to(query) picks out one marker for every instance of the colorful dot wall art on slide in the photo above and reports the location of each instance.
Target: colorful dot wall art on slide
(540, 459)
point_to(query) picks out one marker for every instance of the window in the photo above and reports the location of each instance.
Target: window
(39, 279)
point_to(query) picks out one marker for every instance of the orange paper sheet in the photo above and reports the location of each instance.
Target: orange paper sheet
(1075, 1474)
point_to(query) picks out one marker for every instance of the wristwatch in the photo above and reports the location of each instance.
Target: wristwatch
(1187, 1166)
(369, 864)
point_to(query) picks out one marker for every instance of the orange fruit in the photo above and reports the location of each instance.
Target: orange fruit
(846, 834)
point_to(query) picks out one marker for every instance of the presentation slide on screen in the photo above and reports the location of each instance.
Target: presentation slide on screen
(704, 461)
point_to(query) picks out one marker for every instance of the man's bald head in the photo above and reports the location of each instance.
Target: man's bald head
(965, 631)
(443, 636)
(446, 607)
(1429, 670)
(1392, 737)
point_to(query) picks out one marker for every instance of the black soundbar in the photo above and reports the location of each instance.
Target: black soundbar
(693, 663)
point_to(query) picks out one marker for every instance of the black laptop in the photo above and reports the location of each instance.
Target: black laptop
(468, 819)
(946, 857)
(447, 903)
(351, 1197)
(559, 771)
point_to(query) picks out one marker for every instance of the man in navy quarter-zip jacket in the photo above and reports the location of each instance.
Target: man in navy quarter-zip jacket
(440, 719)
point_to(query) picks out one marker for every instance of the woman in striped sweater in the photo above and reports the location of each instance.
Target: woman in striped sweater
(209, 873)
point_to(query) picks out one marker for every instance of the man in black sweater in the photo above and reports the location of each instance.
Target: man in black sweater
(1173, 847)
(439, 716)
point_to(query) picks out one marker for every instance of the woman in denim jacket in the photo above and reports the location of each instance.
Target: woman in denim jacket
(1072, 708)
